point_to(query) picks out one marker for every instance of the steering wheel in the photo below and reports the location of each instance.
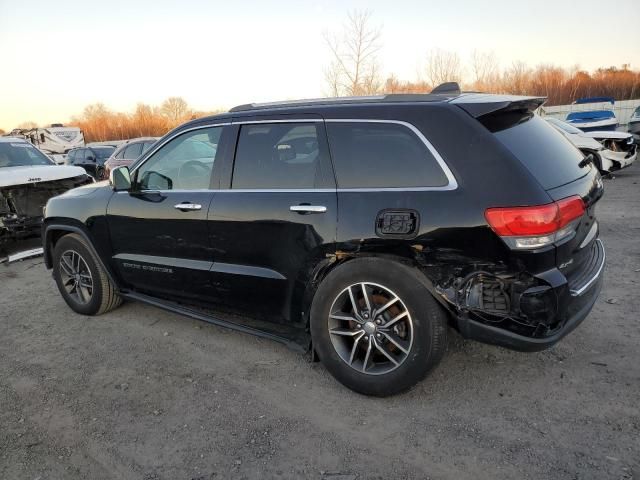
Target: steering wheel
(193, 173)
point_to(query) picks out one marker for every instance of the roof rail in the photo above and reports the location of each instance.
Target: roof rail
(440, 93)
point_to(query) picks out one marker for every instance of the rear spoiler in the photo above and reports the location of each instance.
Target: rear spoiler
(478, 104)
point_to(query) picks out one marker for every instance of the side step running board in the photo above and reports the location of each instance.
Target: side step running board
(177, 308)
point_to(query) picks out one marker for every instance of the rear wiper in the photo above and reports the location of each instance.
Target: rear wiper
(587, 160)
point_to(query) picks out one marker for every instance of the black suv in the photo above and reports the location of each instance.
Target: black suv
(92, 159)
(357, 228)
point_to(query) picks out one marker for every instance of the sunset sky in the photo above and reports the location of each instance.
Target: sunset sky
(58, 56)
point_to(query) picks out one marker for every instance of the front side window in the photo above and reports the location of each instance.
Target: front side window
(184, 163)
(280, 156)
(381, 155)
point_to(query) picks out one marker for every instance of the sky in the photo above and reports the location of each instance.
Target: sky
(58, 56)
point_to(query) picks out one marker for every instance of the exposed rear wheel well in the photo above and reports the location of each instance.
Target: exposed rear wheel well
(340, 259)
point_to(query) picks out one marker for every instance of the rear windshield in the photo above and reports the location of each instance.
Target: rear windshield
(547, 154)
(103, 152)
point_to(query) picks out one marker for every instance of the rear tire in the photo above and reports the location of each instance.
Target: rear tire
(394, 338)
(80, 278)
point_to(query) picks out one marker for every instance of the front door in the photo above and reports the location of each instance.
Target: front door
(277, 220)
(159, 229)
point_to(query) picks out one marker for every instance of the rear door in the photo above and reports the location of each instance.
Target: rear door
(276, 216)
(159, 229)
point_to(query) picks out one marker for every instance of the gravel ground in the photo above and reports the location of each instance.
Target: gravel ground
(144, 394)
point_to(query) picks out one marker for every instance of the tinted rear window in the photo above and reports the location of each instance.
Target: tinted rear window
(381, 155)
(547, 154)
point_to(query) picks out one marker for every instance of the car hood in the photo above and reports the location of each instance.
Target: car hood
(607, 134)
(10, 176)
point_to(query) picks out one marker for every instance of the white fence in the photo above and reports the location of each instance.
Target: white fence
(623, 109)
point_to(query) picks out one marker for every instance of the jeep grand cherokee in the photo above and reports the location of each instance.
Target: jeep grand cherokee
(357, 228)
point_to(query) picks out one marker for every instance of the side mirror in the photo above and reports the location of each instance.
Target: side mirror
(120, 179)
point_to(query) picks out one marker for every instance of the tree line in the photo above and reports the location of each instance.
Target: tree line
(355, 69)
(99, 123)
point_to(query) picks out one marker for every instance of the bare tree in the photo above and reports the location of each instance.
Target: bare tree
(28, 125)
(175, 109)
(485, 70)
(354, 69)
(516, 78)
(443, 66)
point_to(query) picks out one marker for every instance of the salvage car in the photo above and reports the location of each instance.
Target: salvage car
(610, 150)
(355, 229)
(620, 149)
(28, 178)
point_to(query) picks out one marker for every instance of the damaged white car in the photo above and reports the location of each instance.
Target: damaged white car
(611, 150)
(28, 178)
(620, 149)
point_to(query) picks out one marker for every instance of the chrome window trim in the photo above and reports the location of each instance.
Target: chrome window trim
(451, 185)
(181, 132)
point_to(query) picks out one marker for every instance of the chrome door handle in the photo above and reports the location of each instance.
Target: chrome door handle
(308, 208)
(188, 206)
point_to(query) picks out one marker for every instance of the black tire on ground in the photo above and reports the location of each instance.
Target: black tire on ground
(429, 325)
(103, 297)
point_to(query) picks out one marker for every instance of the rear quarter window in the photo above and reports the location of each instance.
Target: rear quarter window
(381, 155)
(546, 153)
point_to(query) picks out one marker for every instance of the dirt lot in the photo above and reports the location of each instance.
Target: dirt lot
(144, 394)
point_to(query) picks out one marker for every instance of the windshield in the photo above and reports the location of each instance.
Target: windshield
(103, 152)
(21, 154)
(564, 126)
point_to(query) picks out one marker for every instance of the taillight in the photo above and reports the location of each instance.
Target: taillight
(536, 226)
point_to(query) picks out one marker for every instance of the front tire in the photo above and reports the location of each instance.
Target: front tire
(376, 327)
(80, 278)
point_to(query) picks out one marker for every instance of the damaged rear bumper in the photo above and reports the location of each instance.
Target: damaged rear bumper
(537, 317)
(580, 307)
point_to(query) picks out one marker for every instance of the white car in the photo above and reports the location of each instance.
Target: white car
(28, 179)
(612, 150)
(620, 148)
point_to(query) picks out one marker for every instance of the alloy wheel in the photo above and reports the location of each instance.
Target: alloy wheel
(370, 328)
(76, 277)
